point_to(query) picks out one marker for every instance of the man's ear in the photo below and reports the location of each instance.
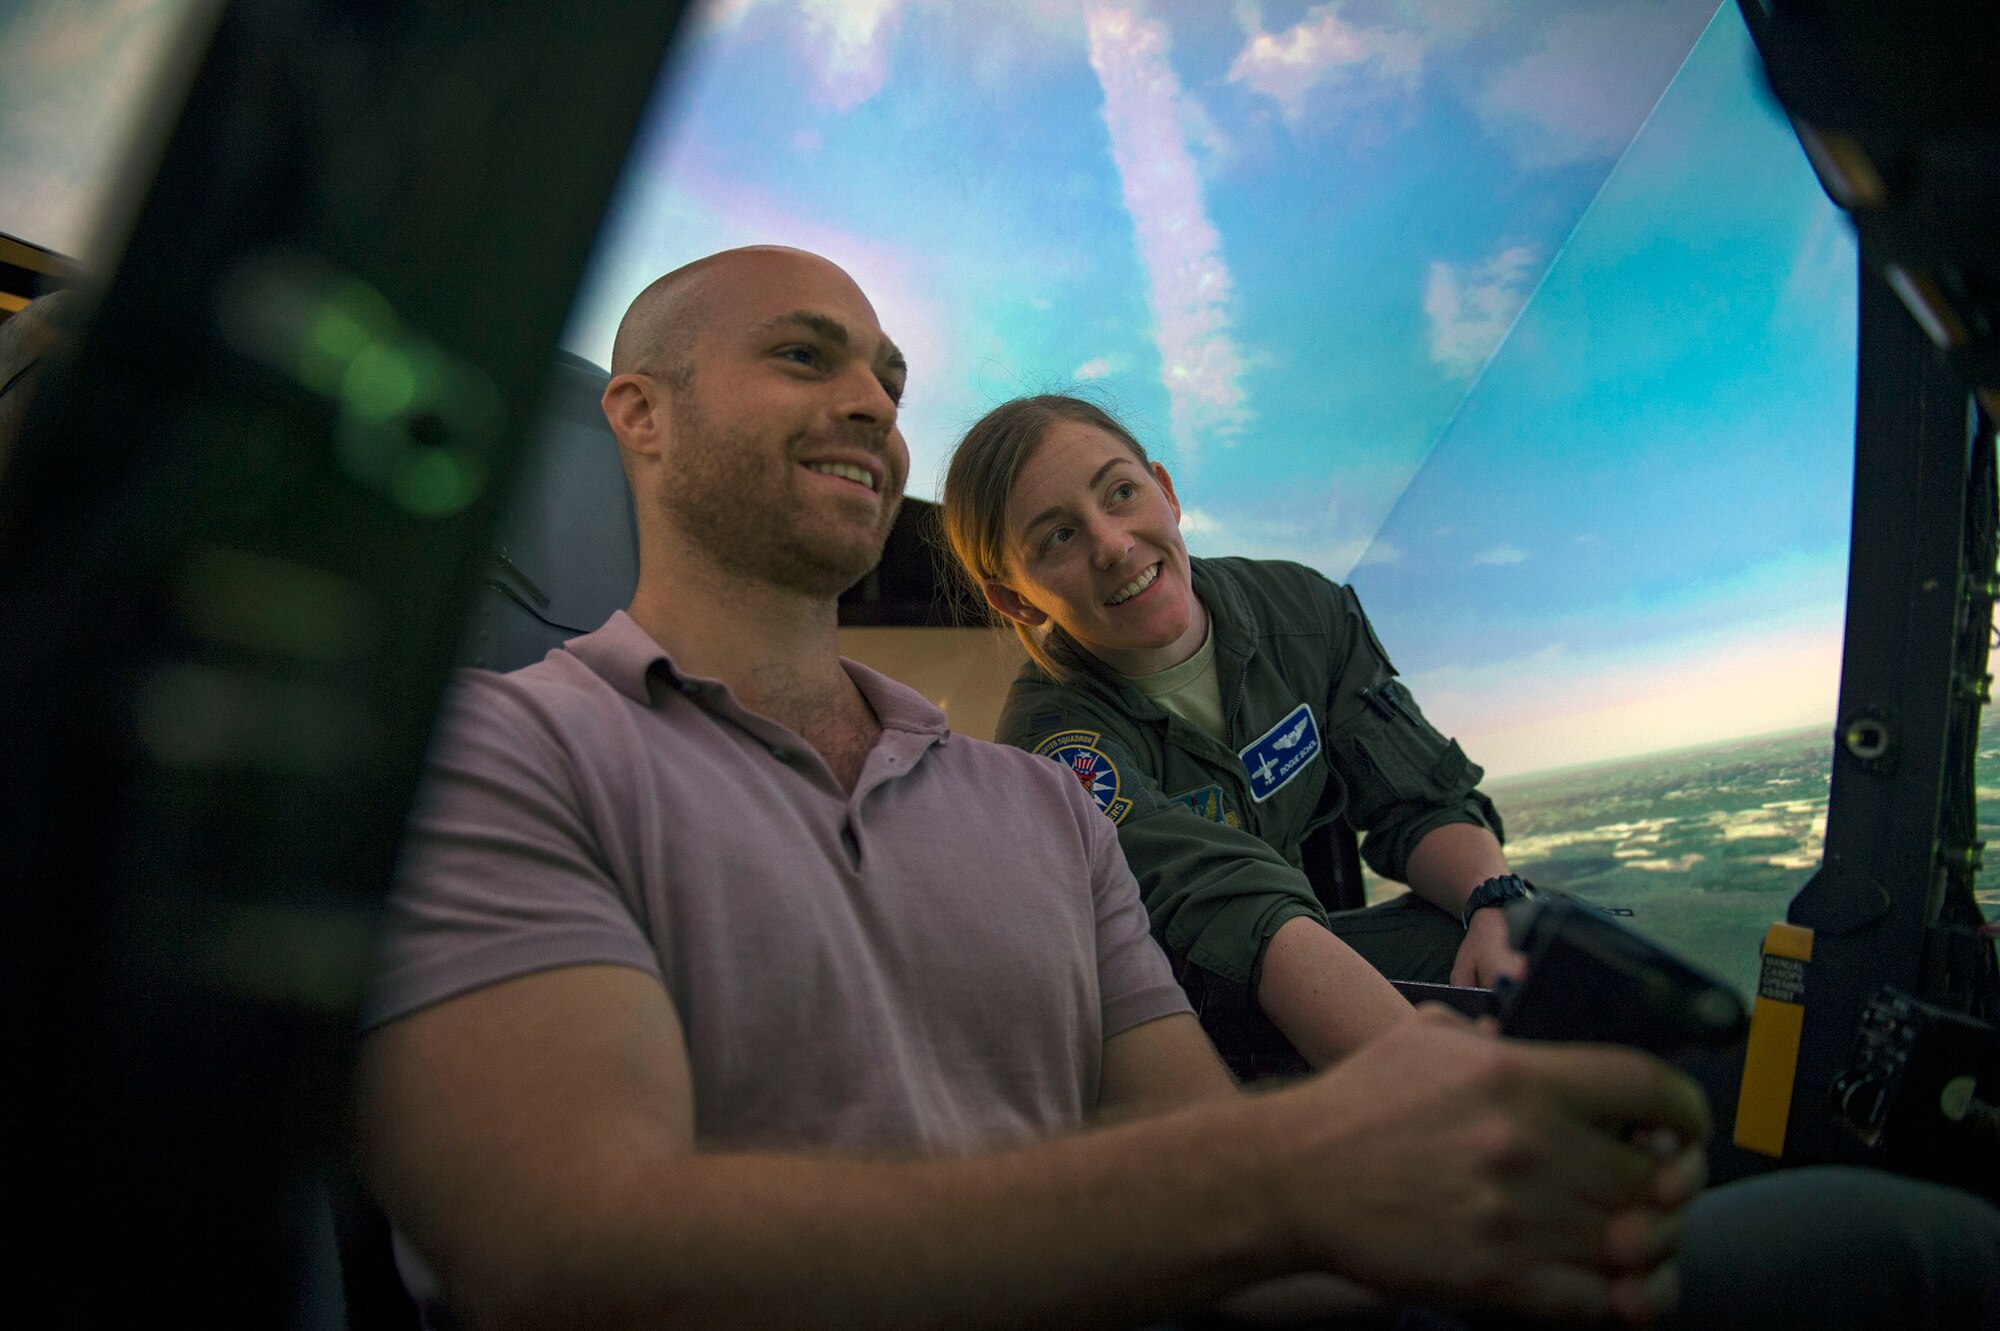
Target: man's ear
(1009, 603)
(1167, 484)
(629, 405)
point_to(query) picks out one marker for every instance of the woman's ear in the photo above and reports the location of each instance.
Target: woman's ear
(1009, 603)
(1167, 484)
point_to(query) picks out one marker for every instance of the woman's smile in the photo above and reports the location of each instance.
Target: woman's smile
(1096, 538)
(1134, 587)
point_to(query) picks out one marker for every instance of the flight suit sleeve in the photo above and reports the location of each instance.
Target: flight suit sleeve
(1214, 894)
(1404, 779)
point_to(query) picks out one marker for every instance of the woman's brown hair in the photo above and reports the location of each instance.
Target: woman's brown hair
(977, 485)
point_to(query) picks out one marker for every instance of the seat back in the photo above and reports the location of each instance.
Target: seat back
(1331, 858)
(568, 551)
(566, 557)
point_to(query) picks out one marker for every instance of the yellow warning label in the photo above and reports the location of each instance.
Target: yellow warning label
(1764, 1102)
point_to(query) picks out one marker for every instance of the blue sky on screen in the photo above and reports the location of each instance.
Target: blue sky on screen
(1282, 238)
(1634, 534)
(1287, 241)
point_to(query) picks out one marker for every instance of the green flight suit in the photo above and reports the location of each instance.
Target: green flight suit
(1213, 831)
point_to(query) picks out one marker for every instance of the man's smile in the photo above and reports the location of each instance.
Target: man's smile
(847, 471)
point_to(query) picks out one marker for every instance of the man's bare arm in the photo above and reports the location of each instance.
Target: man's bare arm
(535, 1140)
(1158, 1066)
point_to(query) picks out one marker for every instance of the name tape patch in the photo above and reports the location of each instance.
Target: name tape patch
(1281, 753)
(1078, 751)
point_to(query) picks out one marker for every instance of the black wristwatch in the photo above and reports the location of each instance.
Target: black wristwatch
(1495, 892)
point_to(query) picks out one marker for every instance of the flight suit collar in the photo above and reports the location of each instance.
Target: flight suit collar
(1235, 645)
(1235, 633)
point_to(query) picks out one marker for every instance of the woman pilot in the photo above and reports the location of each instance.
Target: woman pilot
(1221, 712)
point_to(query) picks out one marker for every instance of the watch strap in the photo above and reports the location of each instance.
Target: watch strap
(1495, 891)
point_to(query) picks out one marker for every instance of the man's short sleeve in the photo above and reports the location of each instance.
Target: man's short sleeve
(501, 875)
(1135, 982)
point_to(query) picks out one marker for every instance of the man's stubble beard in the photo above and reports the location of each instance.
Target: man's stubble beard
(730, 498)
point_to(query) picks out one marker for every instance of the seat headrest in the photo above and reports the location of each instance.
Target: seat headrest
(568, 550)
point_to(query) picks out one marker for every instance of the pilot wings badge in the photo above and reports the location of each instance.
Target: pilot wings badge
(1281, 753)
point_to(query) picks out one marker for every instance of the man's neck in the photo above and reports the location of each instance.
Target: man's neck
(777, 649)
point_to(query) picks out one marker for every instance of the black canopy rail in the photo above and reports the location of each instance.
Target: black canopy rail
(1896, 107)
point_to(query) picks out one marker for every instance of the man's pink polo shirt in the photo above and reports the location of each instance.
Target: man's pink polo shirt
(930, 962)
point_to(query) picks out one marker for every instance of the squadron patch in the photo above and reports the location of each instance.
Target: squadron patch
(1078, 751)
(1207, 802)
(1281, 753)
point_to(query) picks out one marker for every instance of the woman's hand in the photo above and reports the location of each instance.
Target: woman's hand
(1486, 955)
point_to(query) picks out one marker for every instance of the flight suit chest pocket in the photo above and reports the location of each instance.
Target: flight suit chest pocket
(1282, 754)
(1285, 774)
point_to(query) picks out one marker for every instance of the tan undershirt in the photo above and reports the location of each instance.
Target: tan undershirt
(1189, 690)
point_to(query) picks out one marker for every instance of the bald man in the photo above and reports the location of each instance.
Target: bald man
(725, 987)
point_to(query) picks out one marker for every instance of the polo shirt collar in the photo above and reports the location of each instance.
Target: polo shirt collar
(897, 705)
(625, 656)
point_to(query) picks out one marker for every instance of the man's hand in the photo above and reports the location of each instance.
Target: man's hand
(1486, 955)
(1444, 1164)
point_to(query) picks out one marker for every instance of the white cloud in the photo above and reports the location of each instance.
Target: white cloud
(1575, 89)
(1571, 98)
(1199, 522)
(856, 34)
(1471, 307)
(1328, 545)
(1187, 280)
(1092, 369)
(1500, 556)
(848, 41)
(720, 15)
(1322, 47)
(1389, 53)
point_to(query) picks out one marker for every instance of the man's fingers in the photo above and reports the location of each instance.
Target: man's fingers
(1603, 1172)
(1639, 1301)
(1621, 1089)
(1558, 1292)
(1683, 1178)
(1638, 1240)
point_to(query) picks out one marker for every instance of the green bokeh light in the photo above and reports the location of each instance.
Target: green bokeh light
(436, 483)
(380, 383)
(350, 320)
